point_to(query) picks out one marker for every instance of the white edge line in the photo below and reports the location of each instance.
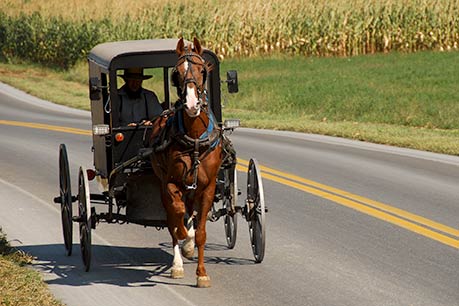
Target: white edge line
(29, 99)
(375, 147)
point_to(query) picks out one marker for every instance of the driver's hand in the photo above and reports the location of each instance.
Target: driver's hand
(144, 122)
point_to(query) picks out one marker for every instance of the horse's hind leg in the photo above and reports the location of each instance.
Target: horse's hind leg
(188, 244)
(203, 280)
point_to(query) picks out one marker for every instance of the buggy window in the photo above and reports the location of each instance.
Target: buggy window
(155, 84)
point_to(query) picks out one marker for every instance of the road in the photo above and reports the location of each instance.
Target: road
(349, 223)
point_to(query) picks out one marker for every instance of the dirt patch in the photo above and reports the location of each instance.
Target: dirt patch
(22, 72)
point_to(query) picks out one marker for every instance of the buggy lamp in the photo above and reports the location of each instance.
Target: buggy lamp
(100, 129)
(231, 123)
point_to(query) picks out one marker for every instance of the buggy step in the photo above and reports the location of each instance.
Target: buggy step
(97, 197)
(58, 199)
(77, 219)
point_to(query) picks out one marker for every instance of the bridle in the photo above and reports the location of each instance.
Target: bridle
(190, 58)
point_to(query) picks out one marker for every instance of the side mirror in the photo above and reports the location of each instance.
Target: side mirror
(94, 88)
(231, 80)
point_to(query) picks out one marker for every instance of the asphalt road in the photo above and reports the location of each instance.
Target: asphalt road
(349, 223)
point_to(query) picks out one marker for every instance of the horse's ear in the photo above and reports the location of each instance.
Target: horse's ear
(197, 46)
(180, 49)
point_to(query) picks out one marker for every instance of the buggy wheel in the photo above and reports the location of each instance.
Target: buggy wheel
(84, 217)
(256, 211)
(65, 199)
(229, 203)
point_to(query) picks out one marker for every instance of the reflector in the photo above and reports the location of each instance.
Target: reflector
(119, 137)
(91, 174)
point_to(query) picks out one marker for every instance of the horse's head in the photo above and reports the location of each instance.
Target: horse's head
(190, 76)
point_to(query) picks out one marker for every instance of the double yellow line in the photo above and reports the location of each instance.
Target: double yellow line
(396, 216)
(41, 126)
(417, 224)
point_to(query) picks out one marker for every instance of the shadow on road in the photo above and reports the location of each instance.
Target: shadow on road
(120, 266)
(115, 265)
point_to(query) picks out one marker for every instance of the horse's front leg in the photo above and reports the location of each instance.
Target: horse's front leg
(175, 209)
(203, 280)
(188, 245)
(177, 264)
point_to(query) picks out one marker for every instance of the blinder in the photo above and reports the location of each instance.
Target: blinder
(204, 76)
(175, 74)
(175, 78)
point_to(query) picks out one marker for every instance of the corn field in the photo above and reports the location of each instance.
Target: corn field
(238, 28)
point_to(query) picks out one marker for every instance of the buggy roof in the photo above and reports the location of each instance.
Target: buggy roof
(110, 55)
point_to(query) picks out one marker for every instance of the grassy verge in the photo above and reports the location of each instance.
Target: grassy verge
(19, 285)
(62, 87)
(407, 100)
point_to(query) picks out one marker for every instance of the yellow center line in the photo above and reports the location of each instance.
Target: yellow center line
(41, 126)
(364, 205)
(366, 210)
(384, 207)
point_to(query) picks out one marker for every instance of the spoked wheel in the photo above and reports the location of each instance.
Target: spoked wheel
(84, 217)
(256, 210)
(229, 203)
(65, 199)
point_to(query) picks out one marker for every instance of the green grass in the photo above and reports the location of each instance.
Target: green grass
(19, 285)
(408, 100)
(418, 90)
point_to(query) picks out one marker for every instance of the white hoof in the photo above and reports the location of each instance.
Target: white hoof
(203, 282)
(177, 273)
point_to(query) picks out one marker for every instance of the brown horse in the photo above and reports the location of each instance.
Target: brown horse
(188, 167)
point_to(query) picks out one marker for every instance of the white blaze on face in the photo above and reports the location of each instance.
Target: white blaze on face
(192, 101)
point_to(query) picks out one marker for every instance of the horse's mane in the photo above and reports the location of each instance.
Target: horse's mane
(208, 66)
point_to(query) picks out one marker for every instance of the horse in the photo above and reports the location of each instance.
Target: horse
(189, 165)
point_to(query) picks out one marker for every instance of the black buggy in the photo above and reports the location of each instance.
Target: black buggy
(130, 189)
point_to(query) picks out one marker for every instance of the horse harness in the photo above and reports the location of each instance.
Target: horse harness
(200, 147)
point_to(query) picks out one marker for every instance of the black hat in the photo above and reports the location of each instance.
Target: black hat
(134, 73)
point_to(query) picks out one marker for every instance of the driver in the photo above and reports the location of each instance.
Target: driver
(137, 104)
